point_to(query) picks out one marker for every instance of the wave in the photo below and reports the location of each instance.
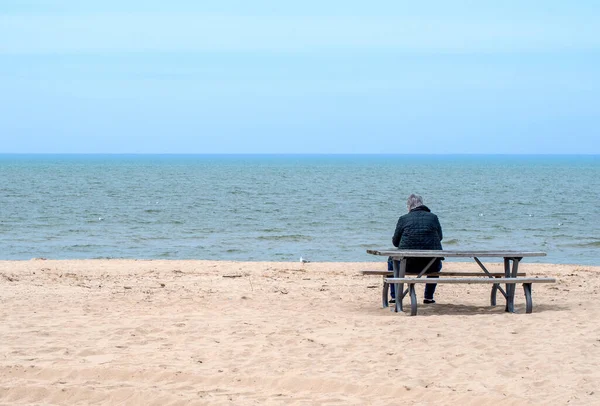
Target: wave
(238, 192)
(272, 230)
(594, 244)
(452, 241)
(561, 236)
(294, 237)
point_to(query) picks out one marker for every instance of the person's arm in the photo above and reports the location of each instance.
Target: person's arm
(397, 233)
(439, 228)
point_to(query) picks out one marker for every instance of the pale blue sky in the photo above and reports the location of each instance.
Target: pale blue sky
(300, 77)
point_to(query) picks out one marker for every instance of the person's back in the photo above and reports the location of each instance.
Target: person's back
(419, 229)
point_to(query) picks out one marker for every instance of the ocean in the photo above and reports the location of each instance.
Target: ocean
(282, 207)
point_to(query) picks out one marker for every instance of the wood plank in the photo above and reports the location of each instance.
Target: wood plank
(377, 272)
(444, 273)
(471, 280)
(395, 253)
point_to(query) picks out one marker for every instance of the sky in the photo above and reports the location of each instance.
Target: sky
(273, 76)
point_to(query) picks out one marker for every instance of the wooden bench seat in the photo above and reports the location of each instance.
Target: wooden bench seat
(470, 280)
(526, 281)
(494, 274)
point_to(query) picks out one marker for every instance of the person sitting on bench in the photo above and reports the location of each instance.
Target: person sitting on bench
(419, 229)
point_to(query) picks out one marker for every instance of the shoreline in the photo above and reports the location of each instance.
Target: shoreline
(217, 332)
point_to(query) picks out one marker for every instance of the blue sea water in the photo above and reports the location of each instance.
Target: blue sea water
(281, 207)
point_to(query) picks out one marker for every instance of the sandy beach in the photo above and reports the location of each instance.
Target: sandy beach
(215, 332)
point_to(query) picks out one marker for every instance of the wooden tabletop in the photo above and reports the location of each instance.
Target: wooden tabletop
(396, 253)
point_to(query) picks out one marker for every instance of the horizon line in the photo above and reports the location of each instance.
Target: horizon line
(297, 154)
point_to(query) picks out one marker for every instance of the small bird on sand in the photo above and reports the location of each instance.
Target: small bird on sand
(303, 261)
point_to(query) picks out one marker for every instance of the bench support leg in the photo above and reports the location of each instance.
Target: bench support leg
(493, 296)
(495, 289)
(399, 272)
(384, 293)
(413, 299)
(528, 300)
(399, 297)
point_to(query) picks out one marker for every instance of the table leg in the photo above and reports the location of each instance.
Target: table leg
(396, 269)
(401, 274)
(515, 270)
(510, 289)
(507, 274)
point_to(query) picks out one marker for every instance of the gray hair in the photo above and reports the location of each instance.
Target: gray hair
(414, 201)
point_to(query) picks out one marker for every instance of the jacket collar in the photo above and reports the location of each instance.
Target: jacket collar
(421, 208)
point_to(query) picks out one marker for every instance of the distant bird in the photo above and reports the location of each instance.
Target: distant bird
(304, 261)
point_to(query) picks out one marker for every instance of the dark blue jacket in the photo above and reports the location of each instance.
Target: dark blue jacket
(419, 229)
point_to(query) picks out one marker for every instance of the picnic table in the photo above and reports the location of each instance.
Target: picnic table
(510, 276)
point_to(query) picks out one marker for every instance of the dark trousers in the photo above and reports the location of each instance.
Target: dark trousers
(429, 287)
